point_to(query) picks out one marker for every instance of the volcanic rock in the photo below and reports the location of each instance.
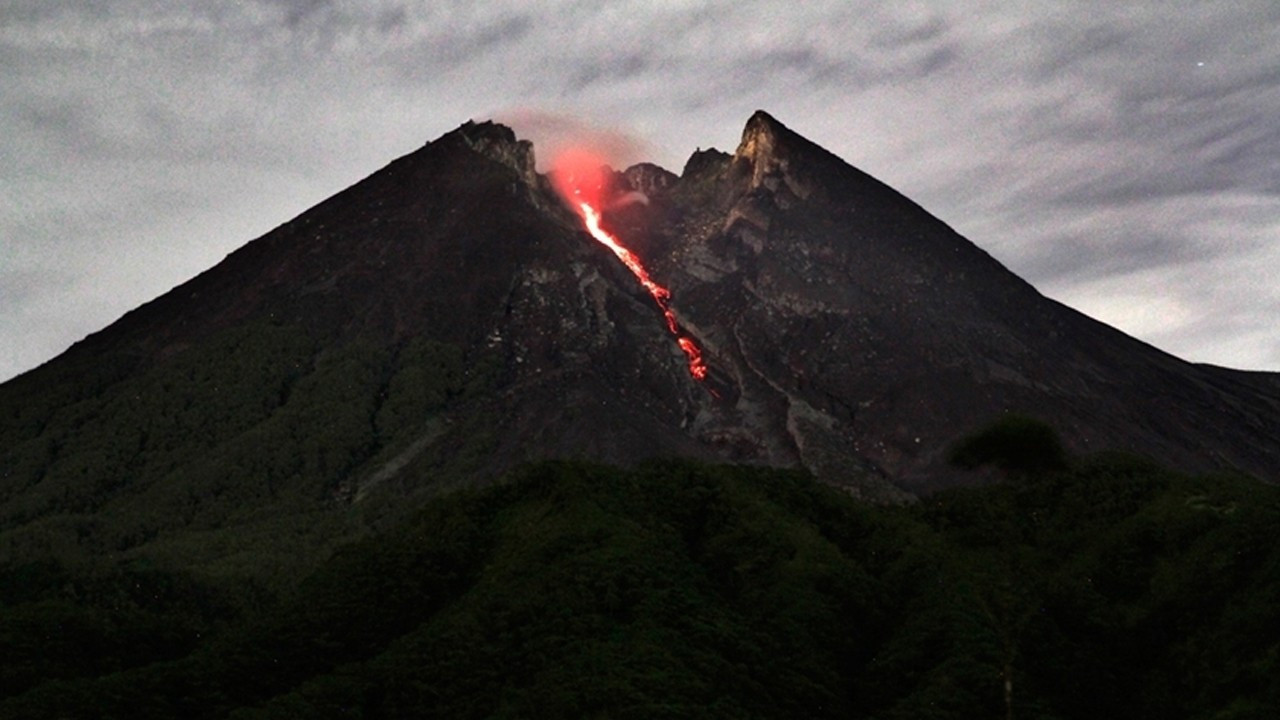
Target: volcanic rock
(448, 318)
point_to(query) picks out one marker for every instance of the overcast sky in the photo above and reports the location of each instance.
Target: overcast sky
(1122, 157)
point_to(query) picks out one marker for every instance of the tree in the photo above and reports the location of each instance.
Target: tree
(1018, 445)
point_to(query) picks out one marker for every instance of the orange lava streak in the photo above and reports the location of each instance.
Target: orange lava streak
(661, 296)
(697, 368)
(628, 258)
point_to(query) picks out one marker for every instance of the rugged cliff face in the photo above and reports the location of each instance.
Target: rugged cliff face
(449, 317)
(859, 335)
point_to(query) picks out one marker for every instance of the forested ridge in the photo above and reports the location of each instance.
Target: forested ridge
(1103, 586)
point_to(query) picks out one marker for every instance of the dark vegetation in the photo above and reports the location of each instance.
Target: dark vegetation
(238, 460)
(1098, 587)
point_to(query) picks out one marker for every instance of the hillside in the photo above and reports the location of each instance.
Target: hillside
(449, 318)
(1109, 587)
(433, 449)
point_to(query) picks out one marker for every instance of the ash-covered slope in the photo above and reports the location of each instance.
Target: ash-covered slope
(448, 318)
(871, 326)
(441, 321)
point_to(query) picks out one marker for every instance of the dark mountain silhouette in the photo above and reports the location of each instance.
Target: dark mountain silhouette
(448, 318)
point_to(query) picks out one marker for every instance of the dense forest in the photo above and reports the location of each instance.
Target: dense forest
(1102, 586)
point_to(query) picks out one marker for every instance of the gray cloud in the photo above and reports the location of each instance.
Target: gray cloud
(1122, 158)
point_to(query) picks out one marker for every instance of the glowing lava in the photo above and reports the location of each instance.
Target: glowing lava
(579, 177)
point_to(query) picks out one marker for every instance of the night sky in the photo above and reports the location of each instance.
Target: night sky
(1122, 157)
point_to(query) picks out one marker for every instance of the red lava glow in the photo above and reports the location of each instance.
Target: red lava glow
(579, 178)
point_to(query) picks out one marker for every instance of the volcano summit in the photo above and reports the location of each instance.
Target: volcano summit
(450, 317)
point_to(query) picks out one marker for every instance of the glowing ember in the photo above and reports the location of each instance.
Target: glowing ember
(579, 178)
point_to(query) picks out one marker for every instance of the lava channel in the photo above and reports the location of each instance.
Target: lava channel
(579, 179)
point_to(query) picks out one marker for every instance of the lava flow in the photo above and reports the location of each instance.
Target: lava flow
(579, 178)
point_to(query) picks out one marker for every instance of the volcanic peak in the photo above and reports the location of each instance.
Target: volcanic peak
(498, 142)
(760, 136)
(767, 152)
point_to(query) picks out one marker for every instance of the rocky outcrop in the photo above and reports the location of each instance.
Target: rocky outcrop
(499, 143)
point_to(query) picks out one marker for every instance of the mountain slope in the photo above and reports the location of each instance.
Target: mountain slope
(881, 328)
(449, 318)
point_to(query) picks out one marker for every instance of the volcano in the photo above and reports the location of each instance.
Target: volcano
(450, 317)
